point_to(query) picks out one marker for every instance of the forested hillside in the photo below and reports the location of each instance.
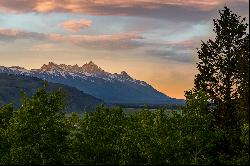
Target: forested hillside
(13, 86)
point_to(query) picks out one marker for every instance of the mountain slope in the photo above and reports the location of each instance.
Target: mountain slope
(91, 79)
(11, 87)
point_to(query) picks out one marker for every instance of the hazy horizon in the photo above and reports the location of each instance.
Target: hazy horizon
(152, 40)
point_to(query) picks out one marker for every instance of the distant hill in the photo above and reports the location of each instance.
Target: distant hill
(11, 87)
(91, 79)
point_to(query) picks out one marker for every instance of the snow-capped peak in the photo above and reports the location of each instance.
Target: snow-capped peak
(87, 71)
(91, 79)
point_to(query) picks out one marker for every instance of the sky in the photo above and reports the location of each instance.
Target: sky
(152, 40)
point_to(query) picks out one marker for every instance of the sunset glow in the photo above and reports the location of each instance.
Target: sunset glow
(152, 40)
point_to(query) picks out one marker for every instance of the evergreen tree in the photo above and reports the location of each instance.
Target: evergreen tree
(223, 67)
(243, 80)
(223, 75)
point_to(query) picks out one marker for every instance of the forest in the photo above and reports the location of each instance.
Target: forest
(212, 128)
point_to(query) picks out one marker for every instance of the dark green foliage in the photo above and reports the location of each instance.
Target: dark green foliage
(108, 136)
(93, 139)
(6, 114)
(243, 80)
(39, 133)
(224, 77)
(224, 69)
(36, 132)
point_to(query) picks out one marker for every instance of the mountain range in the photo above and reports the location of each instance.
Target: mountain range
(12, 86)
(91, 79)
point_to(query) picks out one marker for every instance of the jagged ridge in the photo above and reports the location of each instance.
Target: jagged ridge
(90, 78)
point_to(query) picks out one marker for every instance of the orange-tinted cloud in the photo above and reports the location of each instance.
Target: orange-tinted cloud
(102, 7)
(183, 10)
(83, 6)
(46, 5)
(76, 25)
(113, 41)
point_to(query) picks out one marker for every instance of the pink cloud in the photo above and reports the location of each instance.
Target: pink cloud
(111, 41)
(183, 10)
(76, 25)
(10, 32)
(101, 7)
(13, 34)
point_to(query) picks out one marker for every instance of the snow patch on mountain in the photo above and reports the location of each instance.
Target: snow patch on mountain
(91, 79)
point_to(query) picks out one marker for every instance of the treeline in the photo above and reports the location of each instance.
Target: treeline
(213, 127)
(39, 133)
(170, 106)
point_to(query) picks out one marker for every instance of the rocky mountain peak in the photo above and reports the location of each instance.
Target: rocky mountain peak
(124, 74)
(50, 66)
(91, 67)
(90, 64)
